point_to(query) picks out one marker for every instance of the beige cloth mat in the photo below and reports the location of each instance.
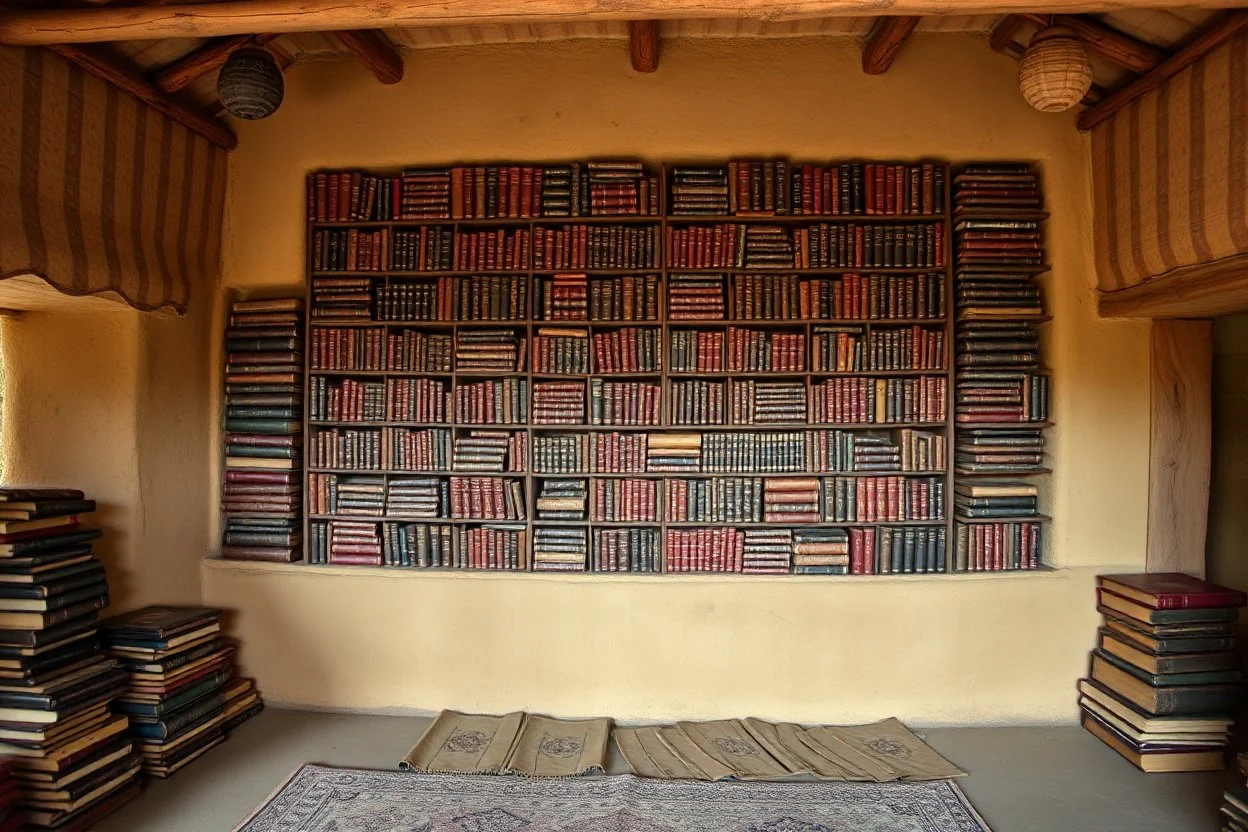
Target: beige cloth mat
(753, 749)
(549, 747)
(516, 743)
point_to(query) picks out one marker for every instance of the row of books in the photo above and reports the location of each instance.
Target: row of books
(745, 402)
(567, 351)
(357, 348)
(744, 187)
(762, 452)
(607, 188)
(1165, 680)
(763, 187)
(727, 245)
(817, 246)
(264, 430)
(851, 349)
(809, 451)
(881, 550)
(859, 400)
(697, 297)
(703, 297)
(596, 247)
(362, 543)
(395, 399)
(997, 546)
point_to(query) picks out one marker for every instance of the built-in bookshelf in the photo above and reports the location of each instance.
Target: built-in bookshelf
(608, 367)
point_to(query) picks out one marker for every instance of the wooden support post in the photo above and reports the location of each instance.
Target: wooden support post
(1225, 28)
(109, 69)
(643, 44)
(40, 27)
(1181, 355)
(1122, 49)
(185, 70)
(374, 51)
(885, 41)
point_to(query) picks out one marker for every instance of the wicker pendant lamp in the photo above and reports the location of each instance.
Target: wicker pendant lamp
(250, 84)
(1055, 73)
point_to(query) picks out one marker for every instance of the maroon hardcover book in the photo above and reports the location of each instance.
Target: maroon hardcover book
(1172, 591)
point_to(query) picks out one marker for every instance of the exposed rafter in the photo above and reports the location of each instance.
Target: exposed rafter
(1001, 38)
(1122, 49)
(375, 52)
(183, 72)
(643, 44)
(123, 77)
(885, 41)
(1218, 33)
(38, 27)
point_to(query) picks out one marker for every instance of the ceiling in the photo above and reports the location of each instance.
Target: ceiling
(1166, 29)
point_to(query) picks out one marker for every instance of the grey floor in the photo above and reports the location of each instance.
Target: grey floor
(1021, 779)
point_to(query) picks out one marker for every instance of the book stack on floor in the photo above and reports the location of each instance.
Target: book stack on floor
(1235, 802)
(12, 818)
(69, 755)
(1165, 676)
(263, 430)
(183, 696)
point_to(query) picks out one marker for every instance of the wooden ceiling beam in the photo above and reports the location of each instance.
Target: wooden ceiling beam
(126, 79)
(182, 72)
(643, 45)
(374, 50)
(1001, 38)
(40, 27)
(887, 36)
(1124, 50)
(1219, 32)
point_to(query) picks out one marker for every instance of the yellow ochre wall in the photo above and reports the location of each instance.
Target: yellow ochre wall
(956, 649)
(101, 397)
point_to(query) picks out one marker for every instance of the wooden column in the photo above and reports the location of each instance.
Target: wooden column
(1181, 355)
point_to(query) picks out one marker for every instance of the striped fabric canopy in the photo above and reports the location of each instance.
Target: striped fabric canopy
(1170, 173)
(100, 193)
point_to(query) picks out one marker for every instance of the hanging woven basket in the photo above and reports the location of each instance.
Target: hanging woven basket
(1055, 73)
(250, 85)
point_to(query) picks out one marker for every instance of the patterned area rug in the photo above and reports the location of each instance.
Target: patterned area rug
(319, 799)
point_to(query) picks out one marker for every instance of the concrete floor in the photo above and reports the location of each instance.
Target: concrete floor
(1021, 779)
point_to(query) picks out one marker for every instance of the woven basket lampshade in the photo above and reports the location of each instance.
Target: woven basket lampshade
(250, 84)
(1055, 73)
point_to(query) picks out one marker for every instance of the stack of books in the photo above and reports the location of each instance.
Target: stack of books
(182, 692)
(69, 755)
(1234, 802)
(264, 430)
(11, 817)
(1165, 676)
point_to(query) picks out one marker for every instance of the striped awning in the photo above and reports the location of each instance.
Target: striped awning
(1170, 174)
(98, 192)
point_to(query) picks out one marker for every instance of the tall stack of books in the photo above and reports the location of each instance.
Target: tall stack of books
(1165, 676)
(263, 430)
(183, 696)
(1001, 401)
(70, 756)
